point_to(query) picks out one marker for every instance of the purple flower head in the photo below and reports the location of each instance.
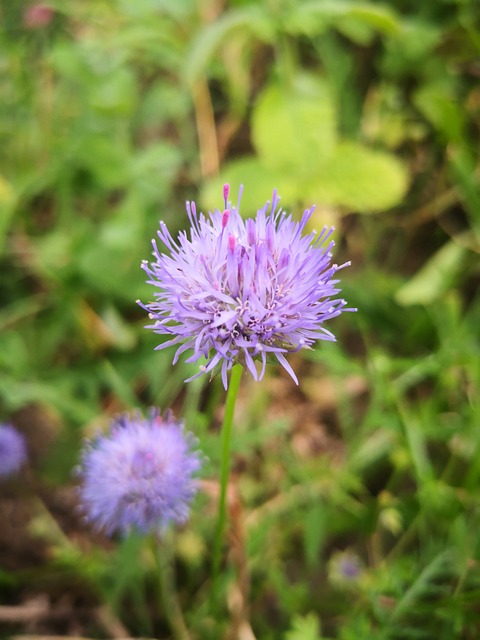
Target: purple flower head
(140, 475)
(234, 290)
(13, 450)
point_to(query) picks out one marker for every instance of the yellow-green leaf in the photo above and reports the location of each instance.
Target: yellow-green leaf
(295, 128)
(359, 179)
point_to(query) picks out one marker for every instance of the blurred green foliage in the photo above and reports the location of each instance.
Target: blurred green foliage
(112, 114)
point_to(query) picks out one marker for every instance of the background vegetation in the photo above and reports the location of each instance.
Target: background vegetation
(355, 504)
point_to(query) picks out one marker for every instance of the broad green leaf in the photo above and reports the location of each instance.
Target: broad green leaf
(435, 278)
(304, 628)
(359, 179)
(294, 128)
(354, 177)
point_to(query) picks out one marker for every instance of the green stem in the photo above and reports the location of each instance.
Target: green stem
(232, 394)
(164, 557)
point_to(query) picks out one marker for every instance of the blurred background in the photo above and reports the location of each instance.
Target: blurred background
(356, 505)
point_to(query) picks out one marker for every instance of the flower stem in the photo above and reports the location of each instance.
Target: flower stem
(232, 394)
(164, 557)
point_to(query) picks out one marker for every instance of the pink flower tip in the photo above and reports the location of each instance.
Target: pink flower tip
(226, 193)
(225, 217)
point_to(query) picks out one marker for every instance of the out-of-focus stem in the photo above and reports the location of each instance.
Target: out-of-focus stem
(163, 553)
(206, 130)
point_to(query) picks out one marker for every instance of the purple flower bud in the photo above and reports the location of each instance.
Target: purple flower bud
(140, 475)
(13, 450)
(206, 279)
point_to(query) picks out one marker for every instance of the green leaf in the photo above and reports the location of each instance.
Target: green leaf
(379, 17)
(442, 110)
(304, 628)
(115, 94)
(105, 159)
(294, 128)
(413, 49)
(462, 163)
(373, 450)
(311, 18)
(420, 587)
(316, 526)
(153, 170)
(360, 179)
(354, 177)
(435, 278)
(250, 19)
(69, 62)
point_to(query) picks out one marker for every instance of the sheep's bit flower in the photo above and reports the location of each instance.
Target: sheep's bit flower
(140, 475)
(235, 290)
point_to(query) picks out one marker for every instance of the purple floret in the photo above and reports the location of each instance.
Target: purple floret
(140, 475)
(234, 290)
(13, 450)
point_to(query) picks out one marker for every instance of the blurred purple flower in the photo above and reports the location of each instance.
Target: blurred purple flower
(235, 290)
(13, 450)
(139, 475)
(345, 568)
(349, 567)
